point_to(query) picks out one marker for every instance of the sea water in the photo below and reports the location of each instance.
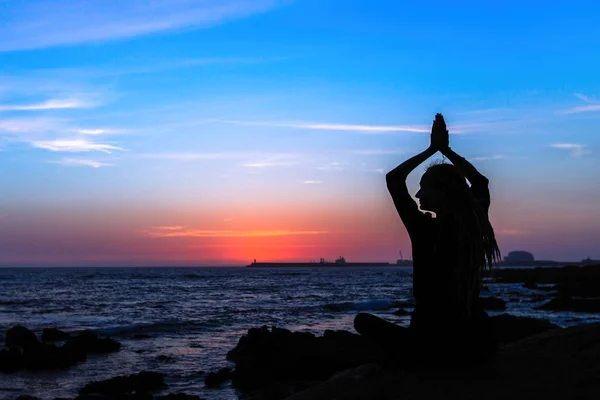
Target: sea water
(193, 316)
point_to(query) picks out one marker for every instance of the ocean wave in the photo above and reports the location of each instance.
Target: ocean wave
(369, 305)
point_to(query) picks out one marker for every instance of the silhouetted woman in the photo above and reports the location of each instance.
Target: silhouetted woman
(451, 252)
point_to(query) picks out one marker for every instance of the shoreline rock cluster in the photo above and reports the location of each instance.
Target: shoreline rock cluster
(537, 359)
(571, 288)
(23, 349)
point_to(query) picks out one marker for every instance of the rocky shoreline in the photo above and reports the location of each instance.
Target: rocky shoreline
(537, 359)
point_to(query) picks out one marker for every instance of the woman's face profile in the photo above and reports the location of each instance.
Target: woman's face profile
(430, 198)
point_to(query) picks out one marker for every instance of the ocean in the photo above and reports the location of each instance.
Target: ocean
(195, 315)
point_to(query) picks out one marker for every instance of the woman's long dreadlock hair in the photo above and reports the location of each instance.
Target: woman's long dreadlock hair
(477, 247)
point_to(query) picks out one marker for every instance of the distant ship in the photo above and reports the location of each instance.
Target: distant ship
(340, 262)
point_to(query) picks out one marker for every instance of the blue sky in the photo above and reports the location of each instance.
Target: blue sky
(121, 117)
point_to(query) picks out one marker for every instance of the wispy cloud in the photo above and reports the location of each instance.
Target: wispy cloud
(193, 156)
(372, 129)
(576, 149)
(585, 98)
(332, 166)
(77, 162)
(45, 23)
(492, 157)
(583, 109)
(509, 232)
(74, 145)
(377, 152)
(268, 164)
(274, 160)
(312, 182)
(83, 131)
(28, 125)
(52, 104)
(592, 105)
(181, 232)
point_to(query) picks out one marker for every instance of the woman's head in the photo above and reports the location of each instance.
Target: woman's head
(443, 189)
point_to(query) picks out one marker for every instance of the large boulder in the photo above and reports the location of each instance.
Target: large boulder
(264, 357)
(493, 303)
(214, 379)
(563, 303)
(46, 356)
(122, 386)
(54, 335)
(19, 336)
(11, 360)
(556, 364)
(89, 343)
(509, 328)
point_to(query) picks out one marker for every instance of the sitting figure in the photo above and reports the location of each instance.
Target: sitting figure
(451, 252)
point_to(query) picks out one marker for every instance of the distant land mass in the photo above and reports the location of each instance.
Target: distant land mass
(340, 262)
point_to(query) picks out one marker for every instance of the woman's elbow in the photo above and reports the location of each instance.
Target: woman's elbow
(394, 176)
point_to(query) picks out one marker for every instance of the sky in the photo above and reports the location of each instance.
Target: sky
(215, 132)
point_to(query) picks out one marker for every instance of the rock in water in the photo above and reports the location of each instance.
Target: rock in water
(19, 336)
(216, 378)
(556, 364)
(46, 356)
(493, 303)
(142, 383)
(569, 304)
(11, 360)
(509, 328)
(264, 357)
(54, 335)
(178, 396)
(89, 343)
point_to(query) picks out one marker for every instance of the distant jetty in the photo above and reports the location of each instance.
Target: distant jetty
(340, 262)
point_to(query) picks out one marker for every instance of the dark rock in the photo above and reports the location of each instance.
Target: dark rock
(216, 378)
(47, 356)
(89, 343)
(579, 287)
(19, 336)
(557, 364)
(402, 304)
(402, 311)
(54, 335)
(264, 356)
(493, 303)
(142, 383)
(534, 276)
(95, 396)
(277, 391)
(530, 284)
(141, 336)
(570, 304)
(509, 328)
(11, 360)
(178, 396)
(165, 358)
